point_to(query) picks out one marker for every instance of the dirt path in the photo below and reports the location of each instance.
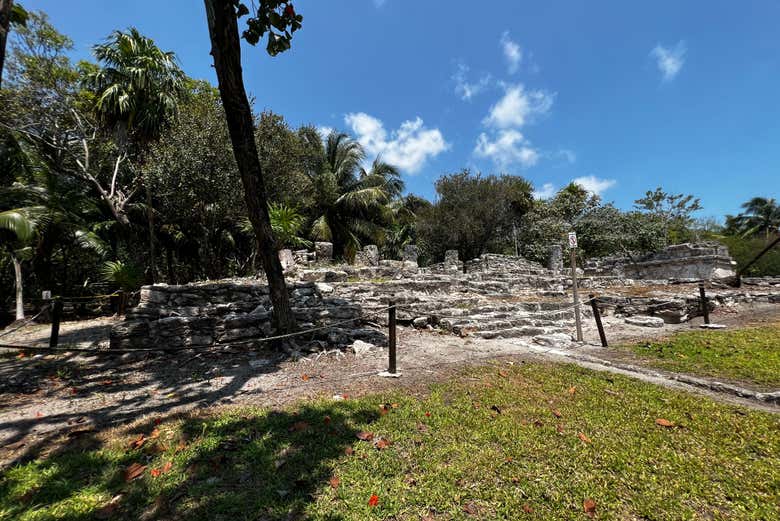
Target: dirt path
(49, 397)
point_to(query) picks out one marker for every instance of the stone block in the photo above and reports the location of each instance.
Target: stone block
(286, 259)
(324, 251)
(410, 253)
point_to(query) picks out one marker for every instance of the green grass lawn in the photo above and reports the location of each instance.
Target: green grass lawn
(750, 355)
(529, 441)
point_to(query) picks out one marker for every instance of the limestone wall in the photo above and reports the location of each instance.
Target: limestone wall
(228, 311)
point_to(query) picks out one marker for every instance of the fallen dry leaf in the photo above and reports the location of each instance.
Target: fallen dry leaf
(664, 422)
(365, 436)
(157, 421)
(381, 443)
(572, 390)
(502, 374)
(559, 428)
(305, 377)
(589, 507)
(326, 420)
(471, 509)
(334, 482)
(299, 426)
(557, 413)
(155, 434)
(136, 443)
(134, 471)
(349, 451)
(155, 472)
(584, 438)
(373, 500)
(168, 465)
(527, 509)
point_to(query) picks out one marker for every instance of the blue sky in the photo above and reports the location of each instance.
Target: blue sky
(622, 96)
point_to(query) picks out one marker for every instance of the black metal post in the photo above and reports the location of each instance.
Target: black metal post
(56, 313)
(705, 309)
(597, 316)
(391, 338)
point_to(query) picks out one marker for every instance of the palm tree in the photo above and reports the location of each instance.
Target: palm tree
(138, 89)
(761, 215)
(352, 203)
(22, 224)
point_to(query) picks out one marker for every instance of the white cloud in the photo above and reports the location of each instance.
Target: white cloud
(508, 148)
(547, 191)
(518, 106)
(467, 90)
(567, 155)
(593, 184)
(512, 52)
(323, 131)
(670, 60)
(407, 148)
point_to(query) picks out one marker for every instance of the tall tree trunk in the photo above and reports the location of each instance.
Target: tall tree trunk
(5, 28)
(150, 222)
(226, 51)
(19, 288)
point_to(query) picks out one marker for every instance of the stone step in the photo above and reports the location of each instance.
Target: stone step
(517, 332)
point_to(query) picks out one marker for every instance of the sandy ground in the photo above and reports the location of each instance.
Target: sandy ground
(46, 398)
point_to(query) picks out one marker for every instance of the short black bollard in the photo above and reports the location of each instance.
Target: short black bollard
(597, 316)
(391, 368)
(705, 309)
(56, 313)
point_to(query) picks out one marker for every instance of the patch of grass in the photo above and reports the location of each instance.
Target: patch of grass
(749, 355)
(496, 442)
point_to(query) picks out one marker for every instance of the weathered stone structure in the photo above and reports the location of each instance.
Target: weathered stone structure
(229, 311)
(705, 261)
(323, 251)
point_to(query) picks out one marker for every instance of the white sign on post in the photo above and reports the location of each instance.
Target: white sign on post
(46, 295)
(572, 240)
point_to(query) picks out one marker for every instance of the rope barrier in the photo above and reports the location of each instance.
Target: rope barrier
(193, 347)
(23, 324)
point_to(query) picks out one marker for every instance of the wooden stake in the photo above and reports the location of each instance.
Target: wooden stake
(597, 316)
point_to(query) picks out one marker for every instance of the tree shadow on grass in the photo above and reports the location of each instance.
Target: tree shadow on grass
(241, 465)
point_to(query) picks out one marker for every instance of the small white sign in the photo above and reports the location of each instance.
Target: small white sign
(46, 295)
(572, 239)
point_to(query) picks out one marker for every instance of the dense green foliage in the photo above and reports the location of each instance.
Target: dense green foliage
(529, 441)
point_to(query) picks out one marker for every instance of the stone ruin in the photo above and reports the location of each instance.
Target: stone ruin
(705, 261)
(493, 296)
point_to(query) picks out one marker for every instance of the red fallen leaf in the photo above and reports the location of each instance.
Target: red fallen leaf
(664, 422)
(157, 421)
(74, 391)
(384, 409)
(305, 377)
(334, 482)
(134, 471)
(572, 390)
(373, 500)
(136, 443)
(21, 355)
(381, 443)
(326, 420)
(155, 472)
(365, 436)
(584, 438)
(557, 413)
(167, 467)
(527, 509)
(299, 426)
(107, 382)
(428, 414)
(39, 414)
(155, 434)
(589, 507)
(349, 451)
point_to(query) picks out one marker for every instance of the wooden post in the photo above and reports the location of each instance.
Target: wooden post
(391, 368)
(597, 316)
(56, 313)
(577, 317)
(704, 307)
